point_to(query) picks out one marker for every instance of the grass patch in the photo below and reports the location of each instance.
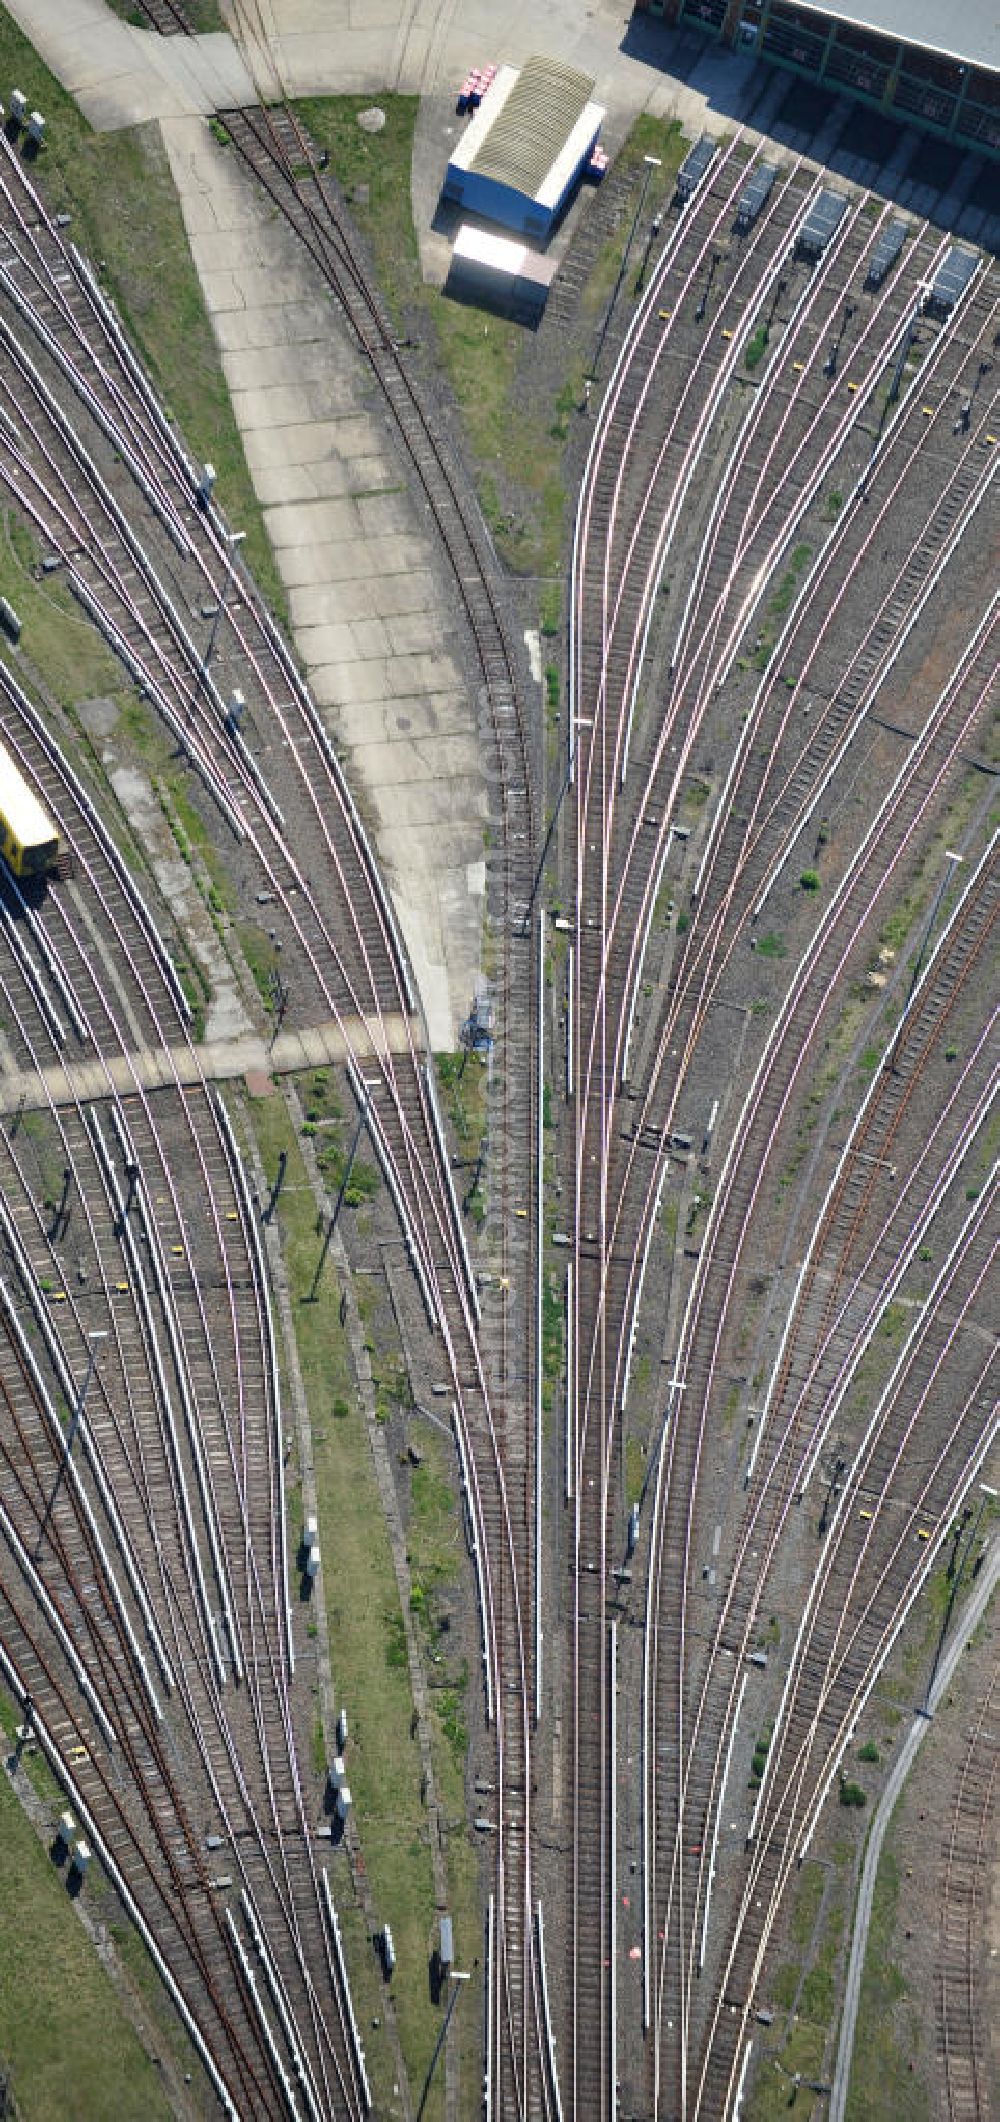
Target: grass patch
(374, 170)
(64, 647)
(756, 347)
(463, 1080)
(481, 357)
(807, 1983)
(203, 15)
(807, 1901)
(881, 2085)
(550, 610)
(119, 191)
(648, 136)
(66, 2041)
(635, 1469)
(552, 1337)
(367, 1642)
(771, 946)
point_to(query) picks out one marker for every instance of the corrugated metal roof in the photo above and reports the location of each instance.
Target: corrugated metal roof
(534, 125)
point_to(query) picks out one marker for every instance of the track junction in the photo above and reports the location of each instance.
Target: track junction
(783, 658)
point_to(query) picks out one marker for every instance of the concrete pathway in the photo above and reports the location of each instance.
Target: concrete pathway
(371, 608)
(121, 76)
(159, 1068)
(968, 1623)
(368, 599)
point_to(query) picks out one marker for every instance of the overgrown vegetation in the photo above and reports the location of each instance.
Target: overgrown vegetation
(756, 347)
(367, 1639)
(118, 190)
(464, 1081)
(66, 2041)
(648, 136)
(552, 1336)
(881, 2086)
(66, 649)
(804, 1986)
(851, 1794)
(203, 15)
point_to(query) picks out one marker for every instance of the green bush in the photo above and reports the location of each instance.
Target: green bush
(756, 347)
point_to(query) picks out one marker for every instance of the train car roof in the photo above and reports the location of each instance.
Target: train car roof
(20, 806)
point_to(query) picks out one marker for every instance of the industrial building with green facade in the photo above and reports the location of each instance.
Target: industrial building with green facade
(930, 65)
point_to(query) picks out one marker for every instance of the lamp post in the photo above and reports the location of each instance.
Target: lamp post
(93, 1348)
(716, 261)
(953, 861)
(457, 1975)
(986, 1495)
(652, 162)
(344, 1184)
(654, 229)
(233, 539)
(580, 722)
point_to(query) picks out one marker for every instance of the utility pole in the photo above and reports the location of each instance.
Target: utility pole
(233, 539)
(953, 861)
(839, 1467)
(714, 263)
(579, 722)
(278, 1184)
(830, 364)
(986, 1495)
(338, 1204)
(652, 162)
(654, 229)
(457, 1975)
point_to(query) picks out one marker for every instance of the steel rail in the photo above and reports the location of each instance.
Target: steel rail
(851, 885)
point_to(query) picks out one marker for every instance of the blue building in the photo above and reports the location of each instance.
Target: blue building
(526, 148)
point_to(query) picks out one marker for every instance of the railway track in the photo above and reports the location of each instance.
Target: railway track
(168, 18)
(120, 581)
(738, 1200)
(789, 1465)
(869, 1581)
(197, 1670)
(280, 156)
(621, 802)
(962, 2038)
(232, 1679)
(779, 457)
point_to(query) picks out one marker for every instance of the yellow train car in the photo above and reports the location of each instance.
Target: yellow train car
(29, 842)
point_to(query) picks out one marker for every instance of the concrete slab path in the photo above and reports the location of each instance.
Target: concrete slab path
(121, 75)
(220, 1060)
(368, 598)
